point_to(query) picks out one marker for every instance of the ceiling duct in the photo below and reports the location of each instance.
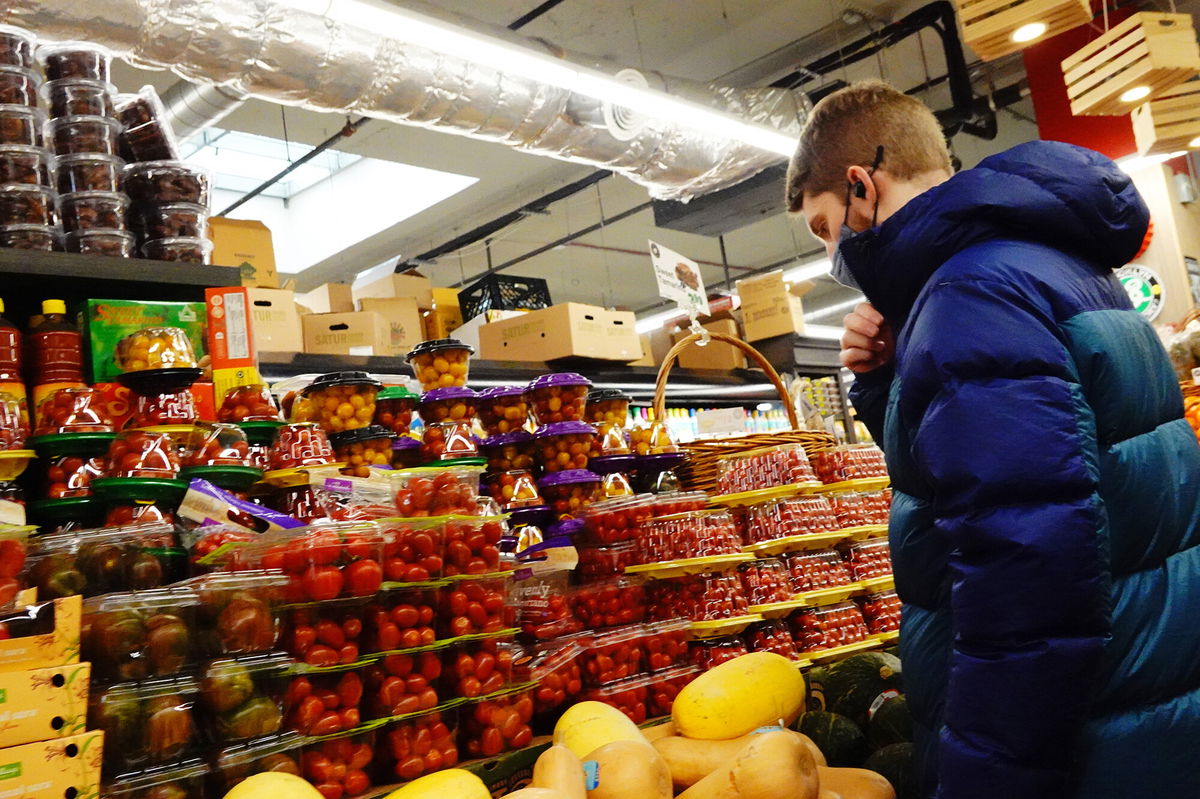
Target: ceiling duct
(279, 51)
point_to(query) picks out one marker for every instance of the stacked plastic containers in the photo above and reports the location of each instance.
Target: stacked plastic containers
(28, 213)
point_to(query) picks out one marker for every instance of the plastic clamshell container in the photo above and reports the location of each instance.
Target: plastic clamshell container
(666, 644)
(708, 653)
(343, 762)
(601, 563)
(441, 363)
(402, 683)
(176, 781)
(695, 534)
(614, 655)
(765, 581)
(495, 724)
(326, 634)
(92, 562)
(543, 607)
(700, 597)
(764, 468)
(665, 686)
(235, 763)
(612, 521)
(473, 544)
(557, 668)
(155, 410)
(436, 491)
(478, 668)
(610, 603)
(413, 549)
(320, 703)
(869, 559)
(409, 748)
(828, 626)
(138, 453)
(817, 570)
(239, 612)
(138, 635)
(394, 408)
(149, 182)
(881, 611)
(324, 561)
(300, 444)
(400, 618)
(849, 462)
(474, 605)
(145, 724)
(250, 403)
(807, 515)
(771, 635)
(242, 697)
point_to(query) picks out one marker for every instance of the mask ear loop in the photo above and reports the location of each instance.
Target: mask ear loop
(850, 190)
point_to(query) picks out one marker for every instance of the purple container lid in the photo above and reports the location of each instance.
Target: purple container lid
(564, 428)
(515, 437)
(659, 462)
(536, 515)
(569, 477)
(611, 464)
(401, 443)
(565, 528)
(558, 379)
(502, 391)
(448, 393)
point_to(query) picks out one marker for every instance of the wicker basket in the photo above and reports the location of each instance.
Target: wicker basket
(699, 472)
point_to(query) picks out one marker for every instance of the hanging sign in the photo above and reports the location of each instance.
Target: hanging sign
(1144, 287)
(679, 280)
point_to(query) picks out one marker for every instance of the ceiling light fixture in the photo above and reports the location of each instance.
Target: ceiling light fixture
(510, 57)
(1135, 94)
(808, 271)
(1194, 142)
(1134, 163)
(1029, 32)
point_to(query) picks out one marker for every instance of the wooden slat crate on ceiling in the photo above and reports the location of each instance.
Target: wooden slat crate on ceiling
(1169, 123)
(1151, 50)
(988, 25)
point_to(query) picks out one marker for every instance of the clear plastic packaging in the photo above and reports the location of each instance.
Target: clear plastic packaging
(436, 491)
(343, 400)
(242, 697)
(771, 635)
(815, 570)
(150, 182)
(20, 123)
(21, 204)
(89, 210)
(73, 410)
(451, 404)
(23, 163)
(78, 97)
(83, 134)
(478, 668)
(697, 534)
(394, 407)
(477, 605)
(448, 441)
(701, 597)
(614, 655)
(323, 561)
(441, 363)
(153, 410)
(827, 626)
(239, 612)
(765, 581)
(849, 462)
(363, 449)
(180, 249)
(155, 348)
(612, 440)
(807, 515)
(235, 763)
(556, 667)
(610, 603)
(100, 241)
(31, 237)
(84, 172)
(509, 452)
(217, 444)
(70, 476)
(860, 508)
(652, 438)
(138, 635)
(665, 686)
(601, 563)
(615, 520)
(139, 512)
(173, 781)
(557, 398)
(324, 703)
(413, 747)
(400, 618)
(145, 724)
(673, 502)
(607, 406)
(300, 444)
(496, 724)
(327, 633)
(19, 86)
(569, 493)
(402, 683)
(13, 428)
(503, 410)
(514, 489)
(75, 60)
(17, 46)
(543, 609)
(630, 696)
(763, 468)
(473, 545)
(708, 653)
(869, 559)
(666, 644)
(413, 549)
(565, 446)
(148, 135)
(251, 403)
(881, 611)
(137, 453)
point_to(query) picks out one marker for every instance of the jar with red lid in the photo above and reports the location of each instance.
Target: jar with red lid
(440, 363)
(503, 410)
(341, 765)
(665, 686)
(495, 724)
(771, 635)
(817, 569)
(613, 655)
(216, 444)
(323, 703)
(300, 444)
(473, 544)
(543, 607)
(323, 561)
(763, 468)
(607, 406)
(445, 441)
(474, 605)
(630, 696)
(399, 618)
(881, 611)
(138, 453)
(765, 581)
(514, 489)
(250, 403)
(413, 549)
(453, 404)
(609, 603)
(666, 644)
(412, 747)
(806, 515)
(849, 462)
(73, 410)
(479, 668)
(559, 397)
(342, 401)
(569, 493)
(363, 449)
(565, 446)
(300, 502)
(652, 438)
(869, 559)
(70, 475)
(325, 634)
(436, 491)
(508, 452)
(394, 408)
(708, 653)
(601, 563)
(401, 683)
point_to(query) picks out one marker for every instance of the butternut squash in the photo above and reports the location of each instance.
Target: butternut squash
(587, 726)
(663, 730)
(454, 782)
(855, 783)
(534, 793)
(691, 761)
(757, 690)
(774, 765)
(629, 770)
(560, 770)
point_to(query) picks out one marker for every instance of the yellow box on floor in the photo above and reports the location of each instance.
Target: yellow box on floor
(246, 244)
(41, 704)
(62, 767)
(715, 354)
(566, 330)
(771, 306)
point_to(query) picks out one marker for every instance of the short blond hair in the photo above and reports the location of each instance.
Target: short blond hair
(847, 128)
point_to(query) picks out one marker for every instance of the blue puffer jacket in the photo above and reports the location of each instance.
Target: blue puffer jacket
(1047, 489)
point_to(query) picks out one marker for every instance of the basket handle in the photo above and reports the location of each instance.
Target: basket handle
(660, 385)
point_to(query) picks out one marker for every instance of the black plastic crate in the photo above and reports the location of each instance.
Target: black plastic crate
(496, 292)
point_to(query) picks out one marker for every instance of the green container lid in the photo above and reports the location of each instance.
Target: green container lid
(53, 512)
(397, 392)
(260, 432)
(138, 489)
(83, 445)
(231, 478)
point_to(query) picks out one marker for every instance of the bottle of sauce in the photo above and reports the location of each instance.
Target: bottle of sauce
(53, 352)
(11, 380)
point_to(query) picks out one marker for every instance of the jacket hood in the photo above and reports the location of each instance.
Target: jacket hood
(1067, 197)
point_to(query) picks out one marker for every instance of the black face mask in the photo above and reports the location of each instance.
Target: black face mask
(840, 270)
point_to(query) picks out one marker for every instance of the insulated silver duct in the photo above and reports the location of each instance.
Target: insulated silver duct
(191, 107)
(275, 51)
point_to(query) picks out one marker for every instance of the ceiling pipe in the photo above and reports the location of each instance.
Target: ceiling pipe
(192, 107)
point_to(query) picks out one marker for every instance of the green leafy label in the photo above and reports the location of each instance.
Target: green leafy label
(8, 772)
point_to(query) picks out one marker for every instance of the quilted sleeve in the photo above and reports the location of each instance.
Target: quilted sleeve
(1007, 445)
(869, 395)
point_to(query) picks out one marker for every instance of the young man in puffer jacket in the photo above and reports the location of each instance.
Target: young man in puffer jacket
(1046, 508)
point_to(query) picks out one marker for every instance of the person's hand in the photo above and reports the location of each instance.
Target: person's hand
(867, 342)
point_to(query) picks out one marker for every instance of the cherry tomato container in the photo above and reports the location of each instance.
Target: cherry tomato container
(343, 400)
(137, 453)
(73, 410)
(702, 597)
(543, 606)
(607, 406)
(881, 611)
(817, 569)
(558, 397)
(239, 612)
(514, 489)
(610, 603)
(69, 475)
(325, 701)
(154, 410)
(175, 781)
(436, 491)
(93, 562)
(474, 605)
(869, 559)
(495, 724)
(565, 446)
(145, 724)
(708, 653)
(235, 763)
(473, 545)
(652, 438)
(155, 348)
(300, 444)
(413, 747)
(413, 549)
(666, 644)
(325, 634)
(631, 696)
(340, 766)
(765, 580)
(509, 452)
(406, 452)
(601, 563)
(849, 462)
(242, 697)
(614, 655)
(557, 668)
(827, 626)
(446, 441)
(771, 635)
(613, 521)
(696, 534)
(121, 513)
(570, 492)
(400, 618)
(210, 444)
(763, 468)
(138, 635)
(441, 363)
(300, 502)
(394, 407)
(665, 686)
(401, 683)
(503, 410)
(807, 515)
(451, 404)
(478, 668)
(323, 562)
(250, 403)
(672, 502)
(363, 449)
(856, 508)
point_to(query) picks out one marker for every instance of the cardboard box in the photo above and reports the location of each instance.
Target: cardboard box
(509, 772)
(406, 329)
(230, 342)
(246, 244)
(42, 704)
(566, 330)
(57, 647)
(274, 320)
(715, 354)
(106, 322)
(357, 333)
(647, 358)
(414, 286)
(771, 307)
(63, 767)
(328, 298)
(468, 332)
(445, 316)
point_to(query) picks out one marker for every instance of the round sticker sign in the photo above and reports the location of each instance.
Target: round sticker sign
(1144, 288)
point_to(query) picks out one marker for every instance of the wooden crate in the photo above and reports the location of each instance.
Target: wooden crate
(1157, 51)
(988, 25)
(1169, 123)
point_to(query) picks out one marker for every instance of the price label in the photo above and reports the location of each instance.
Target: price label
(679, 280)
